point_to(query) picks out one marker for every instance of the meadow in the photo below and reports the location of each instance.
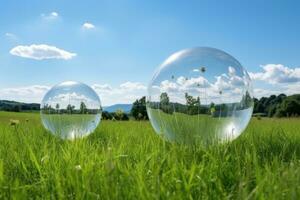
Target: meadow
(127, 160)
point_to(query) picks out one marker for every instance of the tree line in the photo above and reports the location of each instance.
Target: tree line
(278, 106)
(70, 109)
(273, 106)
(138, 112)
(13, 106)
(194, 106)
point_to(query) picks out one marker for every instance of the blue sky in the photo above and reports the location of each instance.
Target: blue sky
(119, 44)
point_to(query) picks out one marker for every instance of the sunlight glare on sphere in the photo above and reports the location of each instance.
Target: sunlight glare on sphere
(71, 110)
(200, 95)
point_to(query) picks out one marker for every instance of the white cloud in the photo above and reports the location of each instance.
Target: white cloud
(41, 52)
(50, 16)
(276, 89)
(54, 14)
(11, 36)
(88, 25)
(222, 82)
(276, 74)
(72, 98)
(132, 86)
(291, 88)
(277, 79)
(29, 94)
(231, 85)
(260, 92)
(231, 71)
(126, 92)
(102, 88)
(169, 86)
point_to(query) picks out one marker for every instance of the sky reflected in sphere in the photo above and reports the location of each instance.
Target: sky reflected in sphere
(71, 110)
(200, 95)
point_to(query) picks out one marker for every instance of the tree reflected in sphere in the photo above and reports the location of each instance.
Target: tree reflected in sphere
(71, 110)
(200, 95)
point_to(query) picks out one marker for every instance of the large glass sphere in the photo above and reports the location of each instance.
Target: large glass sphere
(200, 95)
(71, 110)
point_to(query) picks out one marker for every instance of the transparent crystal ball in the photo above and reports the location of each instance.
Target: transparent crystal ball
(200, 95)
(71, 110)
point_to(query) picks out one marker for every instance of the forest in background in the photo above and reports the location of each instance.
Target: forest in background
(272, 106)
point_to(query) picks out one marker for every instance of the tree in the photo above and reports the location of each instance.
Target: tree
(138, 110)
(119, 114)
(70, 108)
(246, 101)
(17, 108)
(165, 103)
(193, 104)
(164, 98)
(268, 105)
(106, 115)
(83, 108)
(57, 107)
(212, 109)
(289, 107)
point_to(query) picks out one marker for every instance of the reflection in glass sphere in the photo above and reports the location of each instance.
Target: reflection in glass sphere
(71, 110)
(200, 95)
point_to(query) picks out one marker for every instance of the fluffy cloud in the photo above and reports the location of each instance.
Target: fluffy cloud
(50, 16)
(129, 86)
(222, 82)
(102, 88)
(228, 84)
(41, 52)
(277, 73)
(277, 79)
(72, 98)
(260, 92)
(29, 94)
(126, 92)
(88, 25)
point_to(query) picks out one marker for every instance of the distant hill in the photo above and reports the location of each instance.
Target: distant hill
(15, 106)
(125, 107)
(18, 106)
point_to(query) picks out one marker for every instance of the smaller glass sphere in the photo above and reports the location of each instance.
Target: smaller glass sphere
(200, 95)
(71, 110)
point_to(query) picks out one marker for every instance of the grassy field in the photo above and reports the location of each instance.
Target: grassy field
(127, 160)
(184, 128)
(77, 124)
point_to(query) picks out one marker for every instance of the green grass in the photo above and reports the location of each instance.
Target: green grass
(127, 160)
(184, 128)
(64, 124)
